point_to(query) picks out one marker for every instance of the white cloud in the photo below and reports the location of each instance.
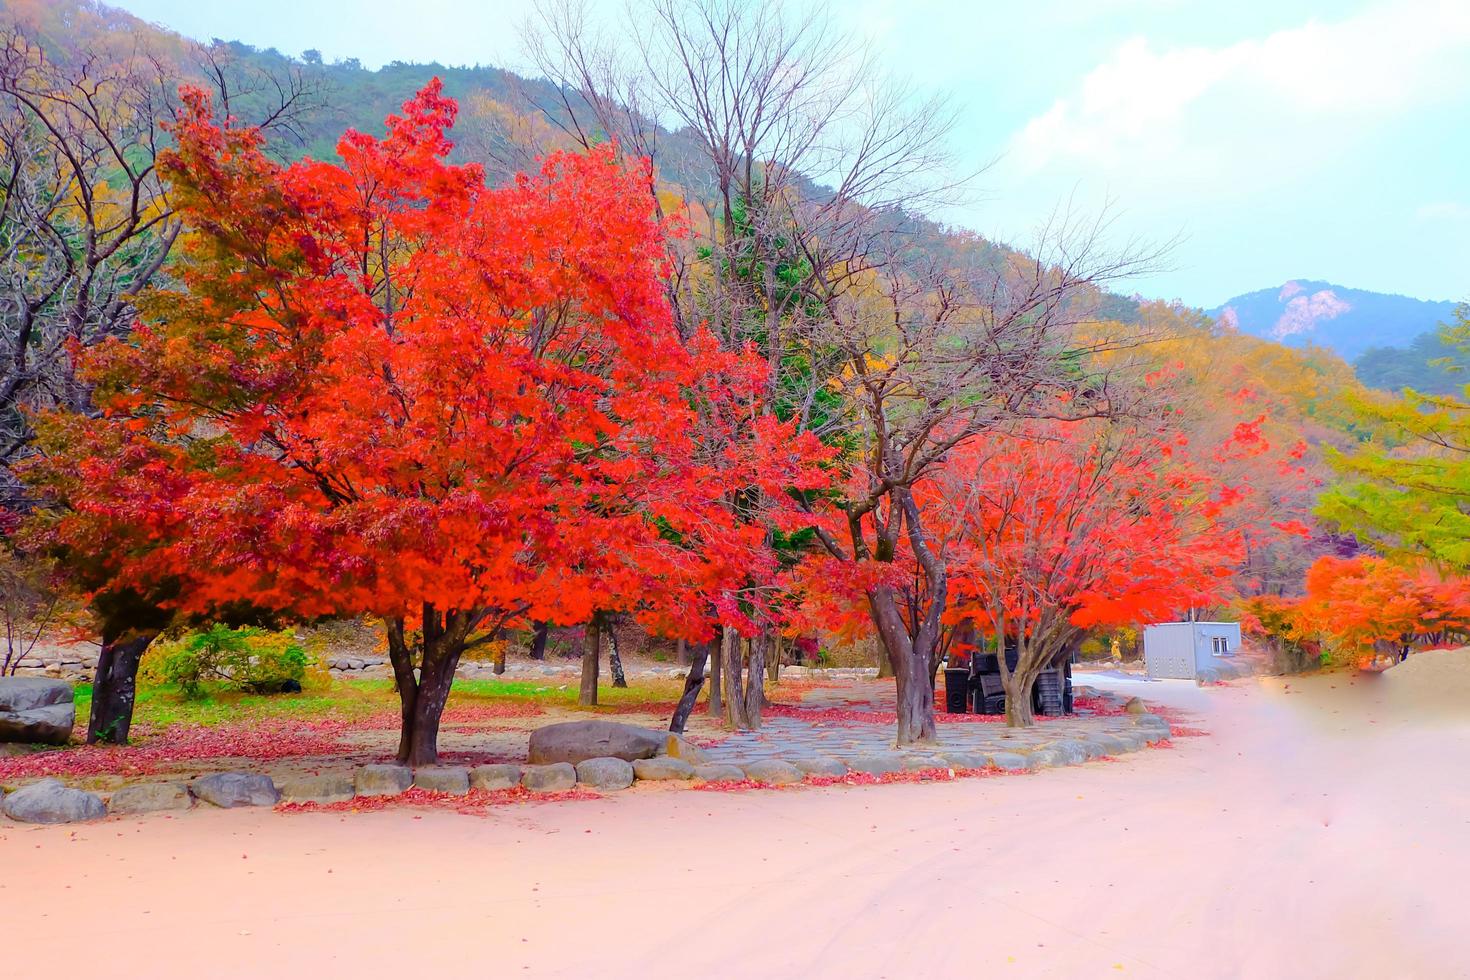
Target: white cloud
(1186, 108)
(1443, 211)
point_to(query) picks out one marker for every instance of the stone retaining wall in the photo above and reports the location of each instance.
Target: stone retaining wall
(50, 801)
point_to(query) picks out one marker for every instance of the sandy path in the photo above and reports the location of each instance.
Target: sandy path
(1318, 833)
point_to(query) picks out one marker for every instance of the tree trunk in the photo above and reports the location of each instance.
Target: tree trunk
(538, 640)
(681, 654)
(692, 683)
(1019, 713)
(755, 675)
(885, 662)
(716, 677)
(591, 654)
(422, 697)
(773, 667)
(915, 697)
(115, 687)
(615, 658)
(733, 664)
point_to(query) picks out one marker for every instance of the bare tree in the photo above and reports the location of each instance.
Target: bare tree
(85, 222)
(798, 164)
(85, 225)
(936, 357)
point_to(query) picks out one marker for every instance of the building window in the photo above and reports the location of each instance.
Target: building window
(1220, 645)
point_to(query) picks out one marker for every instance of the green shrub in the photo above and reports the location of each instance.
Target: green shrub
(247, 659)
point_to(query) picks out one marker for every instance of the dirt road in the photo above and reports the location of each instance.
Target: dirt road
(1322, 830)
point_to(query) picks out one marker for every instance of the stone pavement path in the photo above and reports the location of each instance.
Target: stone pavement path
(834, 729)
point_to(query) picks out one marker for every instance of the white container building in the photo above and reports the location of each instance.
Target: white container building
(1184, 649)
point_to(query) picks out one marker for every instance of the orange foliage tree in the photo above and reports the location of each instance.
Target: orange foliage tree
(386, 389)
(1061, 527)
(1363, 608)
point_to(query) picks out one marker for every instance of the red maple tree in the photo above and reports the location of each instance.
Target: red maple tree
(384, 388)
(1065, 526)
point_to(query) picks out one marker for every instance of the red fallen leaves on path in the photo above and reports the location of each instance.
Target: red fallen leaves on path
(1176, 720)
(471, 803)
(261, 741)
(457, 714)
(1097, 706)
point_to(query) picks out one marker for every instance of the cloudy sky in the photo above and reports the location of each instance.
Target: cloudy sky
(1282, 139)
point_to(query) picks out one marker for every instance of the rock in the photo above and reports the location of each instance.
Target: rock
(719, 772)
(773, 771)
(232, 789)
(662, 767)
(150, 798)
(51, 725)
(1135, 706)
(878, 764)
(574, 741)
(606, 773)
(443, 779)
(819, 766)
(1151, 722)
(966, 760)
(1132, 741)
(1111, 743)
(382, 780)
(1043, 759)
(918, 763)
(492, 777)
(679, 747)
(49, 801)
(36, 709)
(1069, 752)
(28, 693)
(552, 778)
(1008, 760)
(328, 787)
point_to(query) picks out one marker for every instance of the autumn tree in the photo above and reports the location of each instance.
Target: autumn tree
(85, 221)
(813, 165)
(1407, 488)
(1364, 608)
(386, 389)
(1057, 528)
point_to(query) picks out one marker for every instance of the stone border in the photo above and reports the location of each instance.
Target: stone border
(50, 801)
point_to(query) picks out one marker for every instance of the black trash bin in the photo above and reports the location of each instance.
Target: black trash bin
(956, 689)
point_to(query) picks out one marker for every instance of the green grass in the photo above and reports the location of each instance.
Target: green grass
(159, 706)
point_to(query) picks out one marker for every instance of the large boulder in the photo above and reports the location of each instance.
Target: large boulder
(577, 741)
(36, 709)
(49, 801)
(232, 789)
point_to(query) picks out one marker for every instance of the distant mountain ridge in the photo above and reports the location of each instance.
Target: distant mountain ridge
(1348, 321)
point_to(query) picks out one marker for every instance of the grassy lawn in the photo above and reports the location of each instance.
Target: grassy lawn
(159, 706)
